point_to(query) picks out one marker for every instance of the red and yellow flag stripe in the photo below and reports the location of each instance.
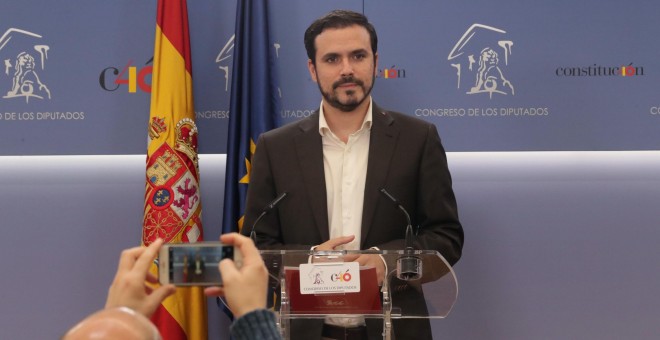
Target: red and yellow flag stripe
(172, 209)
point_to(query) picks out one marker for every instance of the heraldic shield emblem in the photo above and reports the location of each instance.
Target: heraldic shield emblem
(173, 196)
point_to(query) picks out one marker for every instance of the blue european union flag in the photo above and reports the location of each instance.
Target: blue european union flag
(253, 106)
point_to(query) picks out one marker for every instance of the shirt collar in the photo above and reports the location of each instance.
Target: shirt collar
(366, 123)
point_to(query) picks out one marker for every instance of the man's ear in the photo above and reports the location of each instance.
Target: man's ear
(376, 63)
(312, 70)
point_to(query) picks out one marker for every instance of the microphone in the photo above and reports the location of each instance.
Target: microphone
(264, 212)
(271, 261)
(409, 229)
(408, 267)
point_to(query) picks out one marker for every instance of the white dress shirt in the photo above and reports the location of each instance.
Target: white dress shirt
(345, 166)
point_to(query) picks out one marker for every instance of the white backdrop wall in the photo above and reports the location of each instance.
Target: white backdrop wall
(559, 245)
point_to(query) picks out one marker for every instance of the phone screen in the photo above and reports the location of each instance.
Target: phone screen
(197, 265)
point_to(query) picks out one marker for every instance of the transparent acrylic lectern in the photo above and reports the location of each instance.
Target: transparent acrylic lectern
(419, 284)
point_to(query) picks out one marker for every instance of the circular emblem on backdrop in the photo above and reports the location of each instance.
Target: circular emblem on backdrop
(161, 198)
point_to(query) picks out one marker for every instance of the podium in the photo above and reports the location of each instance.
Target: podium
(318, 285)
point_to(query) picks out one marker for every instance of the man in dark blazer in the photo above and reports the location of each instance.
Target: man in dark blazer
(403, 155)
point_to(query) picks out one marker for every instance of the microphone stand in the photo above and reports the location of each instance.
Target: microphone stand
(264, 212)
(271, 262)
(408, 266)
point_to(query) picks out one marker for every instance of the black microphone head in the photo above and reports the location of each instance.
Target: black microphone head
(276, 201)
(264, 211)
(387, 194)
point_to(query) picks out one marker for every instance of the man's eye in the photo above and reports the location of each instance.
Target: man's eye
(331, 59)
(359, 56)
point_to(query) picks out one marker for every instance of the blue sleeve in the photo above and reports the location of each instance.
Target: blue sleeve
(258, 324)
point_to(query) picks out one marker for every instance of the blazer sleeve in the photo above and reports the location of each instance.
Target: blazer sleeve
(260, 190)
(433, 206)
(266, 178)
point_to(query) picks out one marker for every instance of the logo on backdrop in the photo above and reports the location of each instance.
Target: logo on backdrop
(132, 76)
(481, 57)
(24, 56)
(224, 61)
(596, 70)
(392, 72)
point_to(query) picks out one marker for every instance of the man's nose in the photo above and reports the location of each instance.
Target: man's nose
(346, 67)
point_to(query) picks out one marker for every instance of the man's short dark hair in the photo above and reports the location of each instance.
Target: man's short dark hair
(337, 19)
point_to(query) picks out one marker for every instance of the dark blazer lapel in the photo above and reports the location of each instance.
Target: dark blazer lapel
(309, 150)
(383, 140)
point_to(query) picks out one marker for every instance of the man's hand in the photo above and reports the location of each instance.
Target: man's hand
(244, 288)
(363, 260)
(128, 288)
(370, 260)
(335, 242)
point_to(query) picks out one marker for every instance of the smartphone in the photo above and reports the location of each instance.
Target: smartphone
(194, 264)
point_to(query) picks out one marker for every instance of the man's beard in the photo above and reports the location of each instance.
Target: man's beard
(352, 103)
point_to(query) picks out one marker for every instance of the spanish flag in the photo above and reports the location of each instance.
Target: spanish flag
(172, 208)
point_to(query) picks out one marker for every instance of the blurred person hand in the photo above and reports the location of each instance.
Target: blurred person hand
(244, 288)
(129, 288)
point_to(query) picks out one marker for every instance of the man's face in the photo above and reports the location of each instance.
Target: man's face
(345, 67)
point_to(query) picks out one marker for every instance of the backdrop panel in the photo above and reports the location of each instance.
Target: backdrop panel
(493, 76)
